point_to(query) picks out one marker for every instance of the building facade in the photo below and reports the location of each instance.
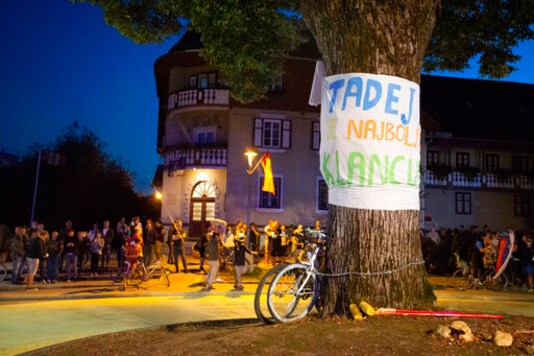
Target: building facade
(203, 135)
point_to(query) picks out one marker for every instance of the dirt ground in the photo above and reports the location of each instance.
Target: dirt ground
(378, 335)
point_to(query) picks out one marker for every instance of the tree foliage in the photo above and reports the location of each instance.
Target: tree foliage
(247, 39)
(89, 188)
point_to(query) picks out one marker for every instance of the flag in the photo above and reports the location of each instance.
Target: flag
(54, 159)
(268, 182)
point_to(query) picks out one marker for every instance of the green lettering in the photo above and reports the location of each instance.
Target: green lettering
(353, 165)
(396, 160)
(374, 161)
(328, 176)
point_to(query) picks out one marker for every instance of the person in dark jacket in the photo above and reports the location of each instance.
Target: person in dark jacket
(70, 249)
(212, 252)
(35, 252)
(55, 249)
(240, 251)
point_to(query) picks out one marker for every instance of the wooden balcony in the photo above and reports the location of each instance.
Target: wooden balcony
(194, 97)
(197, 156)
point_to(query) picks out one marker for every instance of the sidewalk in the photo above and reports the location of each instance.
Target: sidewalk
(183, 284)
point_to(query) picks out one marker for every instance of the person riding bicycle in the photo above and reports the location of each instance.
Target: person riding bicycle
(134, 252)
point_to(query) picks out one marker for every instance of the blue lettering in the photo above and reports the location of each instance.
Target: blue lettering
(335, 86)
(403, 116)
(354, 88)
(392, 98)
(370, 103)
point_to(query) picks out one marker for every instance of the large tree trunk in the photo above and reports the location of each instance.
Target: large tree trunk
(380, 249)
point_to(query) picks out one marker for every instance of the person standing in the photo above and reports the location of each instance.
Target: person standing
(63, 234)
(70, 248)
(109, 236)
(18, 252)
(178, 235)
(95, 247)
(45, 236)
(212, 252)
(35, 253)
(150, 241)
(55, 250)
(253, 237)
(240, 251)
(160, 240)
(528, 262)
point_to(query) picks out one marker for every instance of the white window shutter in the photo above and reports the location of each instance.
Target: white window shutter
(286, 134)
(258, 132)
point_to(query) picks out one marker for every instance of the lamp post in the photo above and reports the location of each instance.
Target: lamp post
(251, 155)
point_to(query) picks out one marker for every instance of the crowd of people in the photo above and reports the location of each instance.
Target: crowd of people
(39, 253)
(34, 251)
(445, 249)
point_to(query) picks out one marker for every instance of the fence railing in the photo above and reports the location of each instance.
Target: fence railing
(487, 180)
(192, 97)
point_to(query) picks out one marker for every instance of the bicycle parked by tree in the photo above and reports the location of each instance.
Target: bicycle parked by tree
(293, 289)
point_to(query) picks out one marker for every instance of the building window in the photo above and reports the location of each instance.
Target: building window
(521, 164)
(272, 133)
(316, 135)
(492, 163)
(463, 203)
(522, 205)
(462, 160)
(432, 158)
(204, 135)
(322, 195)
(203, 81)
(268, 200)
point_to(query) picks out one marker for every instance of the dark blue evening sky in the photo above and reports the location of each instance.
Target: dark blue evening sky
(61, 62)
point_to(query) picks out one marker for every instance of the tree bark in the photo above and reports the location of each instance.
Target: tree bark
(380, 249)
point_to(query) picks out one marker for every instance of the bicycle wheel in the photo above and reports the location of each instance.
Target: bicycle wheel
(260, 298)
(498, 284)
(291, 295)
(3, 271)
(460, 280)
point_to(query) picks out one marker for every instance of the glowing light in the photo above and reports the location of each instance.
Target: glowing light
(159, 196)
(250, 156)
(202, 177)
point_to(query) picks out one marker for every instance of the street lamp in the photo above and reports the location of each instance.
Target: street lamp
(251, 155)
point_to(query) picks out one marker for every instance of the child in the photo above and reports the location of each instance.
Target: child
(134, 251)
(240, 251)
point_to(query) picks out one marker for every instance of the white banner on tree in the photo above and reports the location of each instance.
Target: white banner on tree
(370, 141)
